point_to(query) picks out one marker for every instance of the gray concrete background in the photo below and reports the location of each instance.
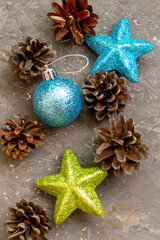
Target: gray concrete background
(141, 191)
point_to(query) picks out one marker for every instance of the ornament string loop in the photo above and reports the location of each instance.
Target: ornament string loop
(121, 223)
(72, 55)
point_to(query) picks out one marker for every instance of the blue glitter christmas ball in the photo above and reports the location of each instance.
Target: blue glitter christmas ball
(57, 102)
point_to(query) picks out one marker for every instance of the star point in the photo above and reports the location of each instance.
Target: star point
(118, 51)
(74, 188)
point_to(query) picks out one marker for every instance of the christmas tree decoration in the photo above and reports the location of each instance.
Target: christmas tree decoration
(19, 139)
(118, 51)
(74, 18)
(74, 187)
(121, 148)
(57, 101)
(29, 221)
(105, 93)
(29, 58)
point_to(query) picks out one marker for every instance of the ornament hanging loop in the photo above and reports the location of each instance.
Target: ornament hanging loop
(71, 56)
(49, 73)
(121, 223)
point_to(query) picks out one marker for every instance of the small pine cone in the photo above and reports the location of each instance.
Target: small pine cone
(74, 18)
(105, 93)
(120, 148)
(19, 139)
(29, 221)
(29, 58)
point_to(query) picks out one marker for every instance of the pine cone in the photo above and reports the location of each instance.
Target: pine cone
(20, 139)
(30, 57)
(105, 93)
(29, 221)
(74, 18)
(120, 148)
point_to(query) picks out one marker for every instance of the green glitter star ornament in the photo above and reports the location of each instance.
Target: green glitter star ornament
(74, 187)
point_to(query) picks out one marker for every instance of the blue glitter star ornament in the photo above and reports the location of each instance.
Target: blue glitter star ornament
(118, 51)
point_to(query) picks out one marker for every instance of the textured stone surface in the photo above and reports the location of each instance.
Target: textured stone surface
(141, 191)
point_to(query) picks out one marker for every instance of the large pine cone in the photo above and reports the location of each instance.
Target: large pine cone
(29, 222)
(20, 139)
(74, 18)
(121, 147)
(105, 93)
(29, 58)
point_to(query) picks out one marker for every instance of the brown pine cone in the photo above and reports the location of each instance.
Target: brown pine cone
(19, 139)
(29, 58)
(29, 221)
(106, 94)
(74, 18)
(121, 147)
